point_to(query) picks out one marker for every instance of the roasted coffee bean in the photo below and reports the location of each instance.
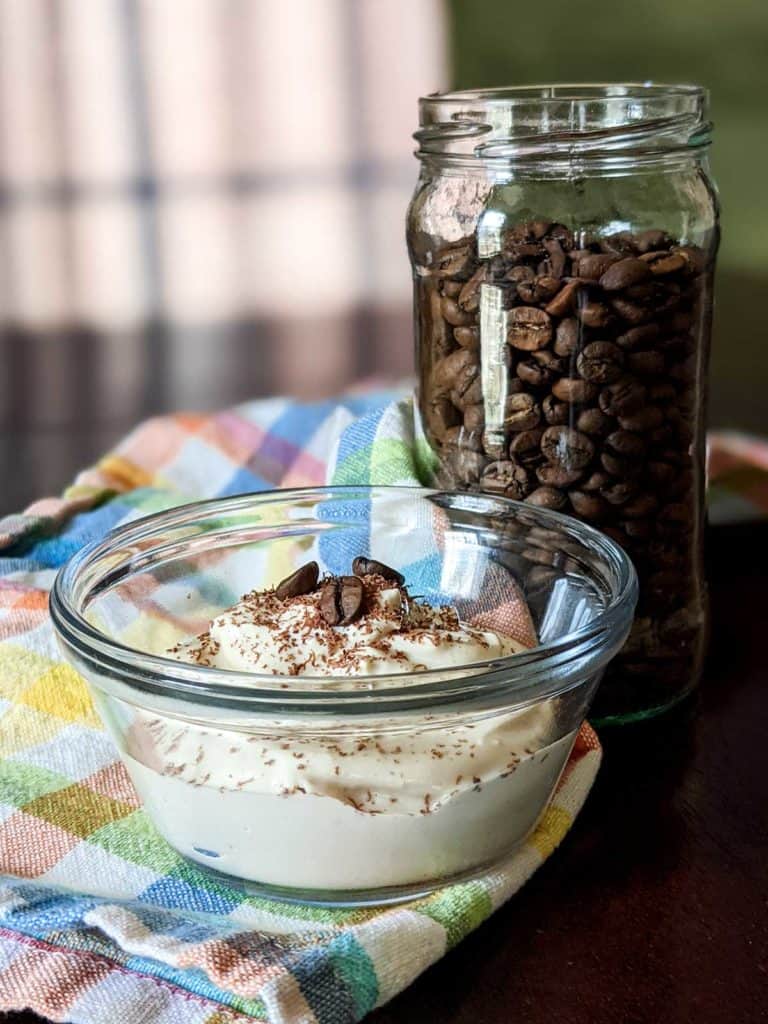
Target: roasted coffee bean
(540, 289)
(520, 273)
(562, 234)
(461, 437)
(624, 274)
(533, 373)
(454, 314)
(574, 390)
(362, 566)
(693, 256)
(467, 337)
(557, 476)
(545, 357)
(646, 241)
(624, 442)
(623, 398)
(521, 412)
(638, 337)
(594, 314)
(465, 465)
(564, 446)
(556, 257)
(351, 596)
(547, 497)
(661, 473)
(619, 491)
(303, 581)
(648, 418)
(646, 364)
(664, 299)
(675, 348)
(529, 328)
(567, 337)
(508, 478)
(457, 371)
(632, 312)
(590, 506)
(521, 232)
(594, 421)
(564, 300)
(621, 453)
(341, 600)
(622, 242)
(469, 296)
(555, 412)
(520, 251)
(600, 362)
(474, 417)
(467, 392)
(642, 293)
(663, 263)
(593, 266)
(494, 445)
(441, 415)
(453, 259)
(662, 392)
(595, 481)
(676, 513)
(330, 609)
(619, 465)
(439, 332)
(640, 507)
(526, 447)
(685, 370)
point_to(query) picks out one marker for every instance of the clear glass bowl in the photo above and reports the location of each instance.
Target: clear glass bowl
(409, 781)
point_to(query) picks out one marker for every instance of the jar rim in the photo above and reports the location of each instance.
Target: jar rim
(557, 92)
(590, 124)
(545, 670)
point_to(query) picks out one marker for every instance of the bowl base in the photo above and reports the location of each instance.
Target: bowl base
(345, 898)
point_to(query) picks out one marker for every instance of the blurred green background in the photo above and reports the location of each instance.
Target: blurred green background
(722, 46)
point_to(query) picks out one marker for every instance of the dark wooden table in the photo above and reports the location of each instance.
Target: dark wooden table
(654, 910)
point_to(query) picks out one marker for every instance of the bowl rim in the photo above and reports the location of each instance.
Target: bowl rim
(541, 671)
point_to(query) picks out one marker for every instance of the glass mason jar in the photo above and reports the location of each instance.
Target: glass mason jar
(563, 241)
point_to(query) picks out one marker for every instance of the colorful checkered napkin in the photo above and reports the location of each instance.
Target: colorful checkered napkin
(100, 921)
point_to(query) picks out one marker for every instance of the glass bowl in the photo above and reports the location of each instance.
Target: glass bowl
(346, 790)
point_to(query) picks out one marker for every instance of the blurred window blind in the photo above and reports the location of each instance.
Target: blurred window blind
(204, 199)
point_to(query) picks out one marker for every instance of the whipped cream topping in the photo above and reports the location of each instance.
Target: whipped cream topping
(264, 633)
(391, 772)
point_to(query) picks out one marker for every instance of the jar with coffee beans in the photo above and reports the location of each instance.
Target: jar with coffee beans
(563, 241)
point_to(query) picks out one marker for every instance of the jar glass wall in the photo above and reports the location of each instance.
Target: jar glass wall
(563, 242)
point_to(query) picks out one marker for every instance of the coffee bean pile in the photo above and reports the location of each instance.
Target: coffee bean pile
(581, 396)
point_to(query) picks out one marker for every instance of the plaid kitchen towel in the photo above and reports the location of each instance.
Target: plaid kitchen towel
(99, 919)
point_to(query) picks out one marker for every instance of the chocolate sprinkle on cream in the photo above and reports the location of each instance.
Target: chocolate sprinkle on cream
(356, 625)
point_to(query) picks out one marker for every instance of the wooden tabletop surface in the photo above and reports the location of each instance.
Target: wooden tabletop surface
(654, 910)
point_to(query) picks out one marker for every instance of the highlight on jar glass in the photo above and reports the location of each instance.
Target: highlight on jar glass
(345, 695)
(563, 242)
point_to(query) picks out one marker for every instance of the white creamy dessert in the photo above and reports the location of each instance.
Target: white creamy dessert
(340, 805)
